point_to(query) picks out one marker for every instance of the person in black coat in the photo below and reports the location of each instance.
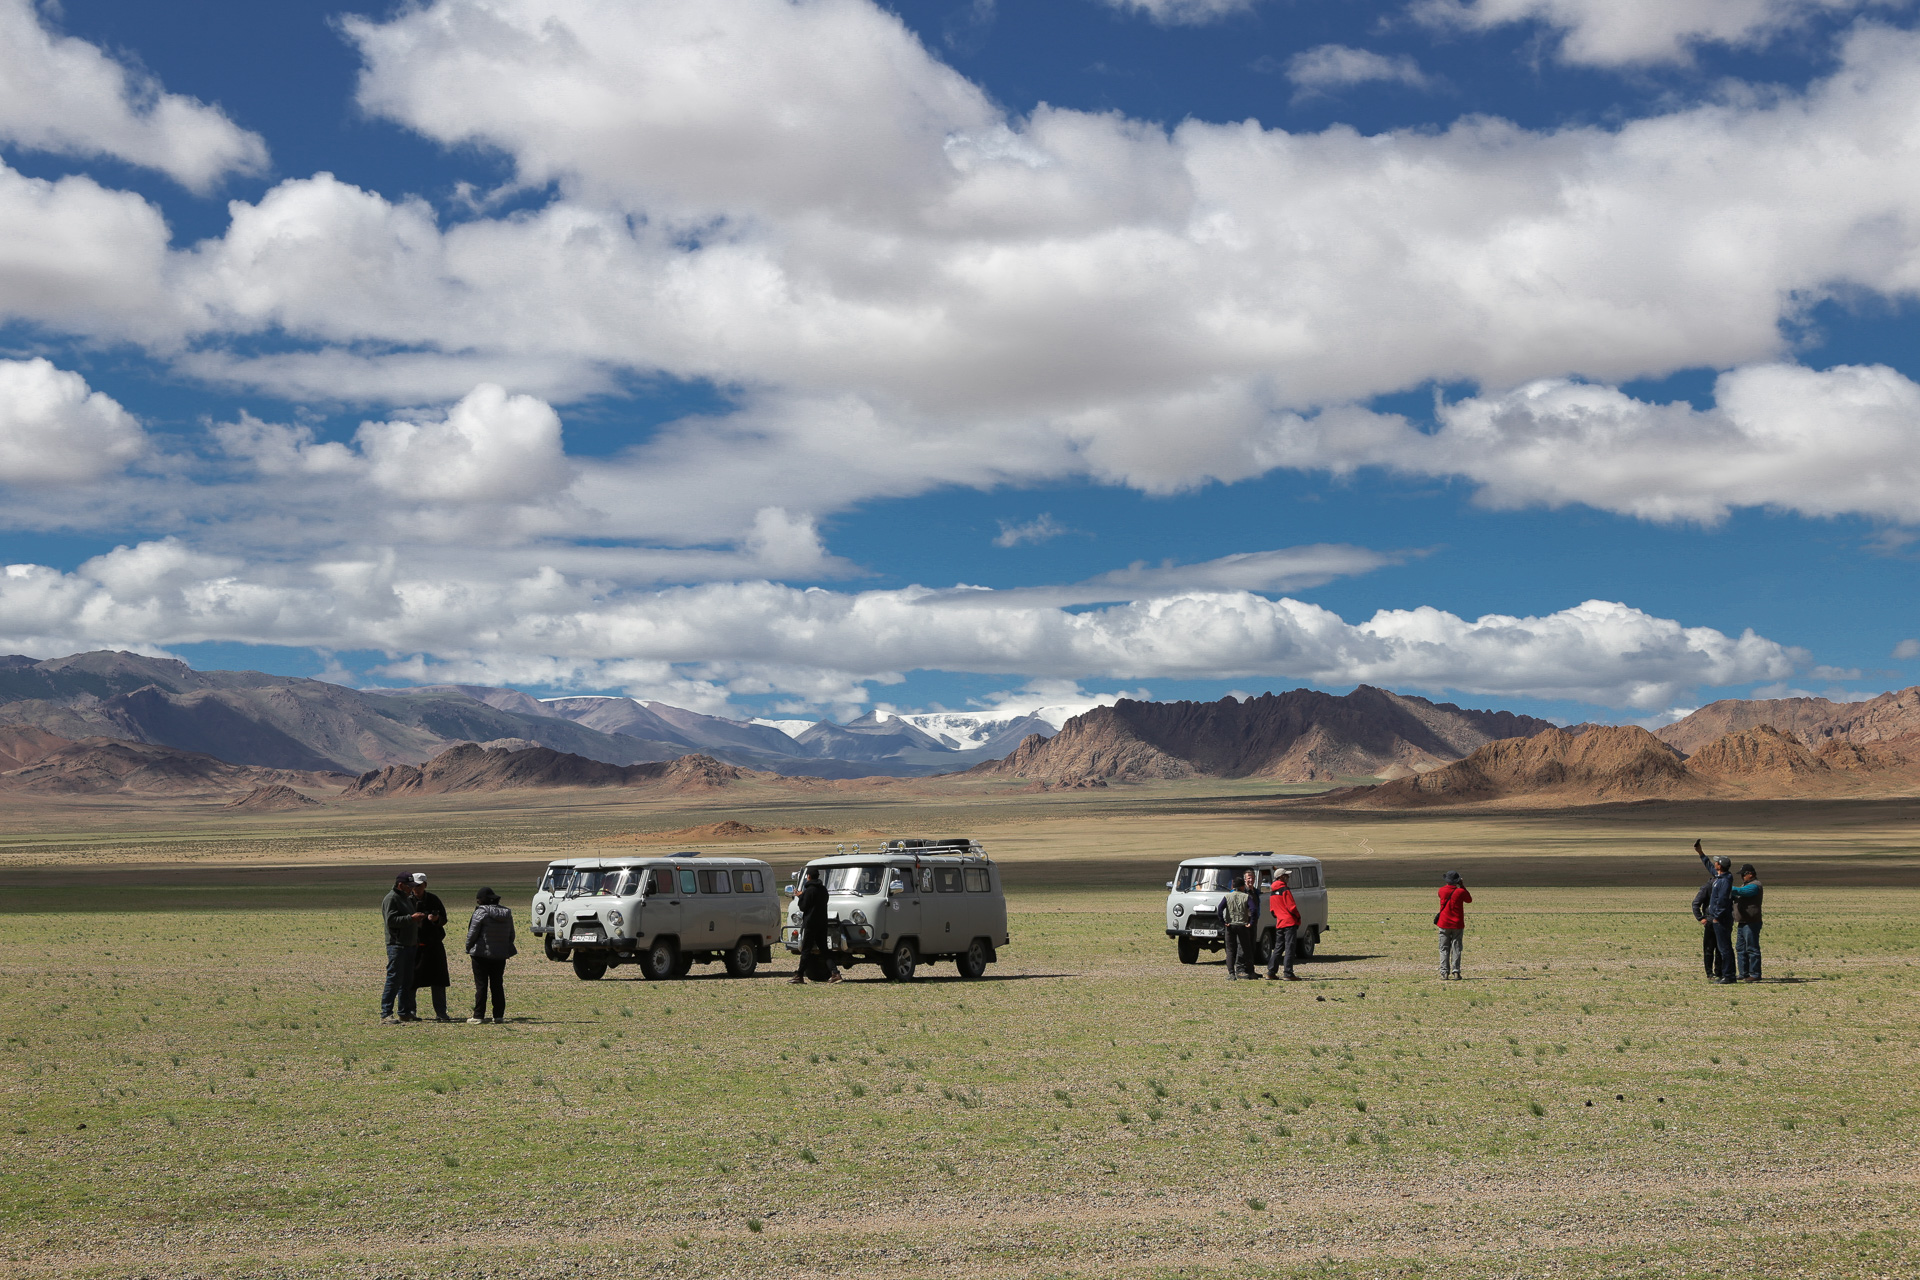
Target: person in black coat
(490, 946)
(1709, 952)
(815, 963)
(430, 962)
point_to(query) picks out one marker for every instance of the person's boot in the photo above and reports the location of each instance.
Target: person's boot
(798, 980)
(837, 975)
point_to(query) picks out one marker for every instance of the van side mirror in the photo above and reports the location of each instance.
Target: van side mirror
(789, 890)
(1169, 884)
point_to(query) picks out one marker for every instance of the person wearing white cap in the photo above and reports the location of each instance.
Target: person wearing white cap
(430, 961)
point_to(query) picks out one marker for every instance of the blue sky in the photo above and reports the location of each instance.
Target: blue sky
(1555, 355)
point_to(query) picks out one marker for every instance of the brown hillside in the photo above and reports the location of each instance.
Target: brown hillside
(22, 745)
(1607, 762)
(273, 798)
(728, 830)
(1301, 736)
(469, 767)
(1891, 717)
(1613, 763)
(108, 766)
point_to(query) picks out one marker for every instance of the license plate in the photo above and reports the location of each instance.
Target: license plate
(589, 936)
(1204, 933)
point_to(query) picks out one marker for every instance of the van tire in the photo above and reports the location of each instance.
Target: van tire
(972, 962)
(684, 967)
(557, 951)
(743, 959)
(589, 970)
(900, 965)
(662, 960)
(1189, 951)
(1303, 948)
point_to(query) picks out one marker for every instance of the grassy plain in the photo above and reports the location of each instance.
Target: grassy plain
(194, 1083)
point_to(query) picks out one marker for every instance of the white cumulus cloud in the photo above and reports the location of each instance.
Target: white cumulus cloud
(55, 430)
(64, 95)
(1183, 12)
(1335, 66)
(1611, 33)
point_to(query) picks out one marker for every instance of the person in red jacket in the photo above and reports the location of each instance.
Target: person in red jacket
(1286, 924)
(1452, 923)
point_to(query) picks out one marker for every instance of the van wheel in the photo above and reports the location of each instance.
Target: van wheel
(900, 965)
(683, 966)
(743, 959)
(1189, 951)
(662, 961)
(973, 962)
(1303, 948)
(557, 951)
(588, 970)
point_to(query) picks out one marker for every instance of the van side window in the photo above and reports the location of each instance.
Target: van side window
(926, 879)
(978, 881)
(715, 882)
(947, 878)
(688, 883)
(747, 882)
(1307, 878)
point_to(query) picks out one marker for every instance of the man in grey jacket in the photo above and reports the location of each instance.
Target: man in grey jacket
(490, 946)
(402, 916)
(1237, 911)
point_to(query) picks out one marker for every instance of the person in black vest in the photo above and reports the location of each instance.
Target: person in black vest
(815, 963)
(430, 961)
(490, 946)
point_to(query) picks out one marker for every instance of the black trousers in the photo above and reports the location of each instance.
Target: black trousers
(1709, 950)
(1240, 948)
(1282, 953)
(489, 975)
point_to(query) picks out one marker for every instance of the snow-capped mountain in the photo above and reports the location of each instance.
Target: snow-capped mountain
(971, 730)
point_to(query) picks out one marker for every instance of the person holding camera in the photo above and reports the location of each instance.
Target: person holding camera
(1451, 921)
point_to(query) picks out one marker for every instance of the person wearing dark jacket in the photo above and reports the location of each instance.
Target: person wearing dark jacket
(1237, 912)
(1746, 922)
(1451, 921)
(1709, 953)
(430, 962)
(402, 916)
(1719, 909)
(815, 963)
(489, 947)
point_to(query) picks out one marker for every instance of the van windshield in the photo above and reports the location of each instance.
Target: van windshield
(556, 879)
(853, 880)
(1205, 879)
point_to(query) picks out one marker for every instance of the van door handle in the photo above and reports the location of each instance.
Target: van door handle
(674, 902)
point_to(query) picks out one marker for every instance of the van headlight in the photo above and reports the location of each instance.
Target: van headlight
(562, 917)
(859, 916)
(617, 918)
(539, 908)
(1179, 909)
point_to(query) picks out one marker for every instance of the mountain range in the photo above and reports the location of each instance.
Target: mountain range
(291, 723)
(1300, 736)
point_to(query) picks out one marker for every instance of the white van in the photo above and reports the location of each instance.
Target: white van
(665, 914)
(1200, 886)
(554, 883)
(909, 902)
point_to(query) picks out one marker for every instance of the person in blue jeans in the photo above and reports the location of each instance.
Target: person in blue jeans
(1746, 922)
(401, 913)
(1719, 910)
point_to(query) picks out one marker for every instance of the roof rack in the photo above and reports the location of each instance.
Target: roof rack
(686, 853)
(1254, 853)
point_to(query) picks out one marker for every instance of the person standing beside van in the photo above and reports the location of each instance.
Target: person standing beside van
(401, 917)
(1746, 922)
(814, 960)
(1236, 912)
(489, 947)
(1452, 923)
(1286, 921)
(1720, 910)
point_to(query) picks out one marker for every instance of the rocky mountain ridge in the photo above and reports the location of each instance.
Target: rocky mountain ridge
(1300, 736)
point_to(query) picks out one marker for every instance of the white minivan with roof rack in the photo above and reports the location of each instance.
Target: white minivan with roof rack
(908, 902)
(665, 914)
(554, 883)
(1200, 885)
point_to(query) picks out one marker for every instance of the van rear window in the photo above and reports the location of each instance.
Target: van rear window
(978, 881)
(747, 882)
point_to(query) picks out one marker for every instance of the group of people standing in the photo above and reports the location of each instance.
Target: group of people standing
(1240, 912)
(416, 932)
(1729, 915)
